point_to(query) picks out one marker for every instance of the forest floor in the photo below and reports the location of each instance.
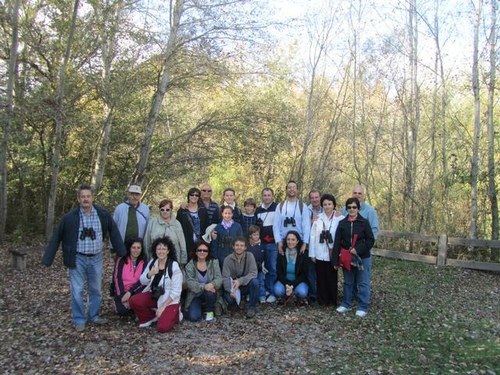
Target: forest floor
(422, 320)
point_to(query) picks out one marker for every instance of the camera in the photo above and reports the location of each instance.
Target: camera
(289, 221)
(157, 292)
(226, 241)
(87, 232)
(325, 236)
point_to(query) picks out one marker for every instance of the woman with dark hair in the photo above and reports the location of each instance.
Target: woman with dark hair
(126, 274)
(292, 268)
(204, 280)
(163, 280)
(224, 234)
(166, 225)
(321, 250)
(229, 200)
(354, 233)
(193, 219)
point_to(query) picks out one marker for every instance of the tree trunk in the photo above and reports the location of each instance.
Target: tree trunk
(8, 119)
(429, 209)
(108, 47)
(176, 12)
(59, 123)
(102, 151)
(414, 114)
(477, 123)
(492, 193)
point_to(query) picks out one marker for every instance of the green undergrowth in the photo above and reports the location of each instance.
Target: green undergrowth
(425, 320)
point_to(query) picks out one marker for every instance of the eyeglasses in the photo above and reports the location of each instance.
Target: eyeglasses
(206, 190)
(202, 250)
(194, 195)
(357, 192)
(165, 209)
(352, 207)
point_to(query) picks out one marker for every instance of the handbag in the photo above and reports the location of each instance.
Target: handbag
(345, 256)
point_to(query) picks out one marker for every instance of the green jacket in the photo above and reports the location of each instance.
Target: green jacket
(195, 288)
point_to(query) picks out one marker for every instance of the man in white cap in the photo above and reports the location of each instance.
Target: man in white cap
(132, 216)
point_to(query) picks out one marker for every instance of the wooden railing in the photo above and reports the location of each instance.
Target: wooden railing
(440, 245)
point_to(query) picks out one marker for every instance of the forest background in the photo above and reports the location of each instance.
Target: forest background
(396, 95)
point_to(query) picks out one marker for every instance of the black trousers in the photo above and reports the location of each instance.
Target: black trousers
(327, 283)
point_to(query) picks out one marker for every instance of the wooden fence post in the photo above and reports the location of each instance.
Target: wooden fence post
(442, 250)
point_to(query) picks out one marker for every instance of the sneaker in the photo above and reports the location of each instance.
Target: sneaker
(361, 313)
(148, 323)
(210, 316)
(251, 313)
(80, 327)
(342, 309)
(100, 321)
(271, 299)
(262, 299)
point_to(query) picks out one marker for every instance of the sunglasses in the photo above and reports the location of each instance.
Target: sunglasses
(202, 250)
(194, 195)
(352, 207)
(165, 209)
(357, 192)
(206, 190)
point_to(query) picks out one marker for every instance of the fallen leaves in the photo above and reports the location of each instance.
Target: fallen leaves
(422, 319)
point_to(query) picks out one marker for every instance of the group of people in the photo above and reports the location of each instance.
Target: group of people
(216, 258)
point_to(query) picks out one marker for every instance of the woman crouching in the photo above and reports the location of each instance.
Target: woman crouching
(204, 281)
(163, 279)
(292, 271)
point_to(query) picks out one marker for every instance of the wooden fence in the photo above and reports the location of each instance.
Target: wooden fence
(442, 244)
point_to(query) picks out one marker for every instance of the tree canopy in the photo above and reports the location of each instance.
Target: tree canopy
(249, 94)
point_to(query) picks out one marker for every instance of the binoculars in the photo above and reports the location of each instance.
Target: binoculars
(87, 232)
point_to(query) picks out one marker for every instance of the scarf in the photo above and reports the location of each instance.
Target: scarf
(291, 255)
(227, 224)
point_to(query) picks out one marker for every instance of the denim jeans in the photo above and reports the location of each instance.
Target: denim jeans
(312, 279)
(262, 286)
(300, 290)
(271, 254)
(251, 289)
(88, 270)
(195, 309)
(362, 280)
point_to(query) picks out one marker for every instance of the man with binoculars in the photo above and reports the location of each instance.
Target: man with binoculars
(292, 214)
(81, 232)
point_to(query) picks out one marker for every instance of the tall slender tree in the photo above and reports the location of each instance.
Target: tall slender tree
(477, 121)
(492, 190)
(14, 15)
(59, 124)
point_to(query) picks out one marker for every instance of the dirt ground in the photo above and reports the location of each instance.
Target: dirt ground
(38, 337)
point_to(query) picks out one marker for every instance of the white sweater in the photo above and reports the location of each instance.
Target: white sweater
(320, 250)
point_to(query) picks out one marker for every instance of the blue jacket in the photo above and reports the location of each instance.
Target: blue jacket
(222, 246)
(68, 230)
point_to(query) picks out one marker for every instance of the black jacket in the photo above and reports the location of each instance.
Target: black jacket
(345, 232)
(301, 266)
(68, 230)
(184, 217)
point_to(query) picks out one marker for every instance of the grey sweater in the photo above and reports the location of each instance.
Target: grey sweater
(242, 270)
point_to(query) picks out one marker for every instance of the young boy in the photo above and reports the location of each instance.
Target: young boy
(239, 276)
(248, 218)
(259, 254)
